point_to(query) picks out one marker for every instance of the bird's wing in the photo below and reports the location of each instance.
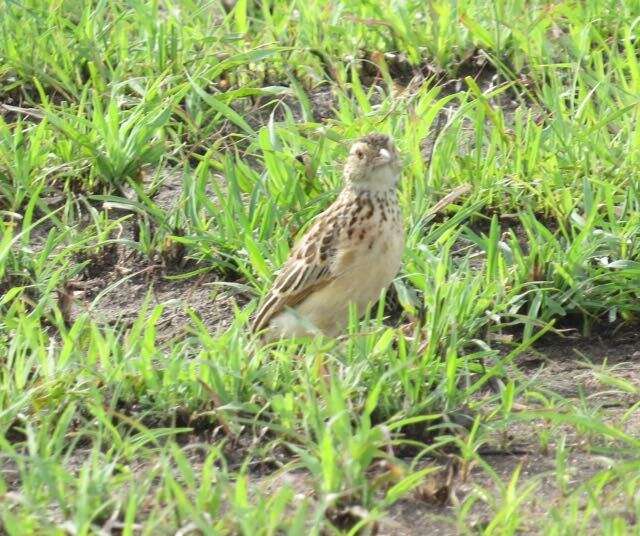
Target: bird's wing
(310, 267)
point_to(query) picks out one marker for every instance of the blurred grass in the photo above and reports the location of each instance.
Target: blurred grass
(534, 104)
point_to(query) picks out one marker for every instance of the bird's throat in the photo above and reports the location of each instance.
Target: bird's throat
(379, 179)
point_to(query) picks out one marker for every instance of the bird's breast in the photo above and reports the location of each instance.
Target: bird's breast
(367, 258)
(373, 244)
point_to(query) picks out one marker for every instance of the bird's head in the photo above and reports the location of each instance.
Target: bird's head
(374, 162)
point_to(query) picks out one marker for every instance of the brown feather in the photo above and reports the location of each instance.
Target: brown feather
(301, 274)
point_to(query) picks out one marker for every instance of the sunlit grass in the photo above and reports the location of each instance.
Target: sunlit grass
(116, 428)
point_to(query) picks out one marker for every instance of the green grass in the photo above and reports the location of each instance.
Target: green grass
(116, 427)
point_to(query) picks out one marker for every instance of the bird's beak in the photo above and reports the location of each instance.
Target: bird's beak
(388, 157)
(385, 155)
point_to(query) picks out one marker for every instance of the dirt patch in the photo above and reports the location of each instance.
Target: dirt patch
(614, 343)
(116, 298)
(536, 484)
(574, 366)
(579, 370)
(117, 284)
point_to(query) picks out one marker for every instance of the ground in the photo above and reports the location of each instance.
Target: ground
(152, 180)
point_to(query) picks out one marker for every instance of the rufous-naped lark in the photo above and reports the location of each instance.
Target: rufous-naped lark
(350, 254)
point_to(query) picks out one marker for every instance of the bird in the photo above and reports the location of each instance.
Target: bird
(350, 254)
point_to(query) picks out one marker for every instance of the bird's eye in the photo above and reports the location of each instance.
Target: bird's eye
(360, 154)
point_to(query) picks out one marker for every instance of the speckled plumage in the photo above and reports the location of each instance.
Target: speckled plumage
(350, 254)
